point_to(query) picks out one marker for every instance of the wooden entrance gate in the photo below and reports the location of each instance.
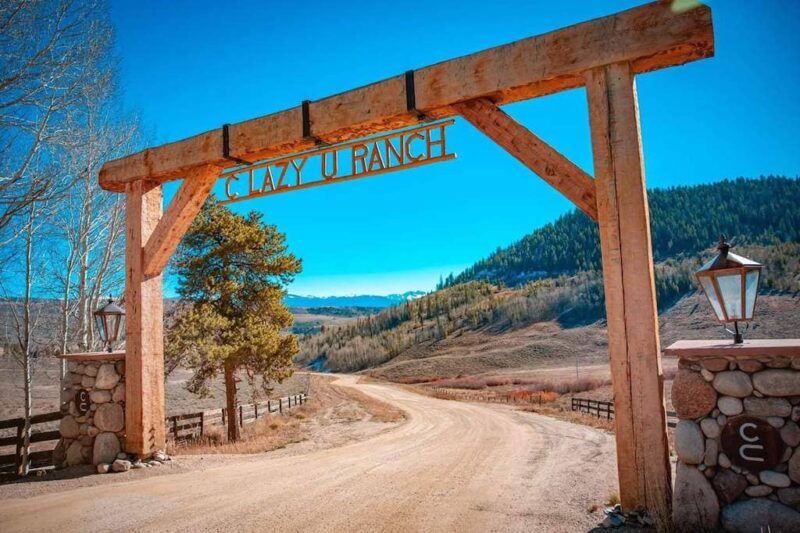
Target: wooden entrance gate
(602, 55)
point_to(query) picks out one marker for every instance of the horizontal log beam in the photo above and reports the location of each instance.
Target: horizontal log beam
(564, 175)
(648, 37)
(178, 217)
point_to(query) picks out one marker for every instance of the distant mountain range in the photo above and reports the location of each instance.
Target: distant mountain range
(358, 300)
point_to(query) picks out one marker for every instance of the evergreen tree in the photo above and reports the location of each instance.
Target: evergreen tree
(232, 272)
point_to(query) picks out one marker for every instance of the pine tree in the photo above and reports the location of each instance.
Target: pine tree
(232, 272)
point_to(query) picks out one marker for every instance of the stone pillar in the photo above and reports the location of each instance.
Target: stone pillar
(93, 404)
(737, 438)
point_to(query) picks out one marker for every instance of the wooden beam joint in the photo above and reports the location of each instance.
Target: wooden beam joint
(179, 216)
(564, 175)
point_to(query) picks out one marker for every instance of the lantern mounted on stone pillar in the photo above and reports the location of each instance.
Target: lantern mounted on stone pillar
(730, 282)
(109, 321)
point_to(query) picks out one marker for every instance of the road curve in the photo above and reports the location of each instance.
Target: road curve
(451, 466)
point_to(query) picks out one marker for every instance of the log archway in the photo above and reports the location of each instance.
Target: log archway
(603, 55)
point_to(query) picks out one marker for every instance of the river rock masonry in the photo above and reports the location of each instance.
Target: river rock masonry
(93, 407)
(738, 435)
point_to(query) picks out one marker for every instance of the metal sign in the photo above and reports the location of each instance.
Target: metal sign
(358, 159)
(752, 443)
(82, 403)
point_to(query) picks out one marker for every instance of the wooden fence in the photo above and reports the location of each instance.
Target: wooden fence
(533, 398)
(43, 436)
(606, 409)
(192, 425)
(596, 407)
(179, 427)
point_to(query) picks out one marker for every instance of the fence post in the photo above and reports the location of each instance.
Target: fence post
(175, 427)
(269, 407)
(223, 416)
(19, 455)
(255, 406)
(202, 423)
(280, 405)
(241, 416)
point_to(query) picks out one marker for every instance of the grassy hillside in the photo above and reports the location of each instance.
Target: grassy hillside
(553, 275)
(684, 221)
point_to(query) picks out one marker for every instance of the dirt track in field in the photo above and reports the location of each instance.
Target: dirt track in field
(451, 466)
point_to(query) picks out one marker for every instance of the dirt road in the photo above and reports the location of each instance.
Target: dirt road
(451, 467)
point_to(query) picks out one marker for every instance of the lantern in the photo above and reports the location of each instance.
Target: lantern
(108, 321)
(730, 282)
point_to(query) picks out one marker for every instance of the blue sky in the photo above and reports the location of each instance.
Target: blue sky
(191, 65)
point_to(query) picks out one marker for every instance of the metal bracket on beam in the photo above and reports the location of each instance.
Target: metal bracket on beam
(226, 147)
(307, 124)
(411, 97)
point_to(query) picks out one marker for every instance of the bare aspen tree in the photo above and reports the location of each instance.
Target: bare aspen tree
(58, 124)
(22, 345)
(88, 255)
(50, 52)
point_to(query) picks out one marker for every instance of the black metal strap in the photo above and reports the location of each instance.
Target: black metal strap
(226, 147)
(307, 123)
(411, 97)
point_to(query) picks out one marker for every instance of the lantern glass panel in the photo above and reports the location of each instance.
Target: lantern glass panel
(730, 285)
(100, 324)
(750, 291)
(119, 321)
(711, 294)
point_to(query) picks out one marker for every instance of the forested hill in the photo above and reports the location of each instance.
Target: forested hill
(684, 220)
(555, 275)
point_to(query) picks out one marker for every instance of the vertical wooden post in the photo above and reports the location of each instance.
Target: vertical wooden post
(241, 416)
(19, 457)
(634, 349)
(202, 424)
(145, 431)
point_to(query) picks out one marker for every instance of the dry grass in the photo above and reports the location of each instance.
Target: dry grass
(576, 417)
(328, 404)
(546, 397)
(264, 435)
(561, 386)
(378, 410)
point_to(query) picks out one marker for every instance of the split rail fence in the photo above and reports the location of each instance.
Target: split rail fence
(192, 425)
(45, 434)
(602, 409)
(499, 398)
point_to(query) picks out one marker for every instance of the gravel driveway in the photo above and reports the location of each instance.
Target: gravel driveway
(451, 466)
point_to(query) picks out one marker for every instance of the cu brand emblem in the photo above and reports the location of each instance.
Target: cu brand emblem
(750, 452)
(752, 443)
(82, 401)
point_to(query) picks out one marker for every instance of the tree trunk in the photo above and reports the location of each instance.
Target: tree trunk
(64, 326)
(84, 303)
(230, 397)
(25, 347)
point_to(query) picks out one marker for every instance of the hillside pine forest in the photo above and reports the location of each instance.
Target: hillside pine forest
(555, 272)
